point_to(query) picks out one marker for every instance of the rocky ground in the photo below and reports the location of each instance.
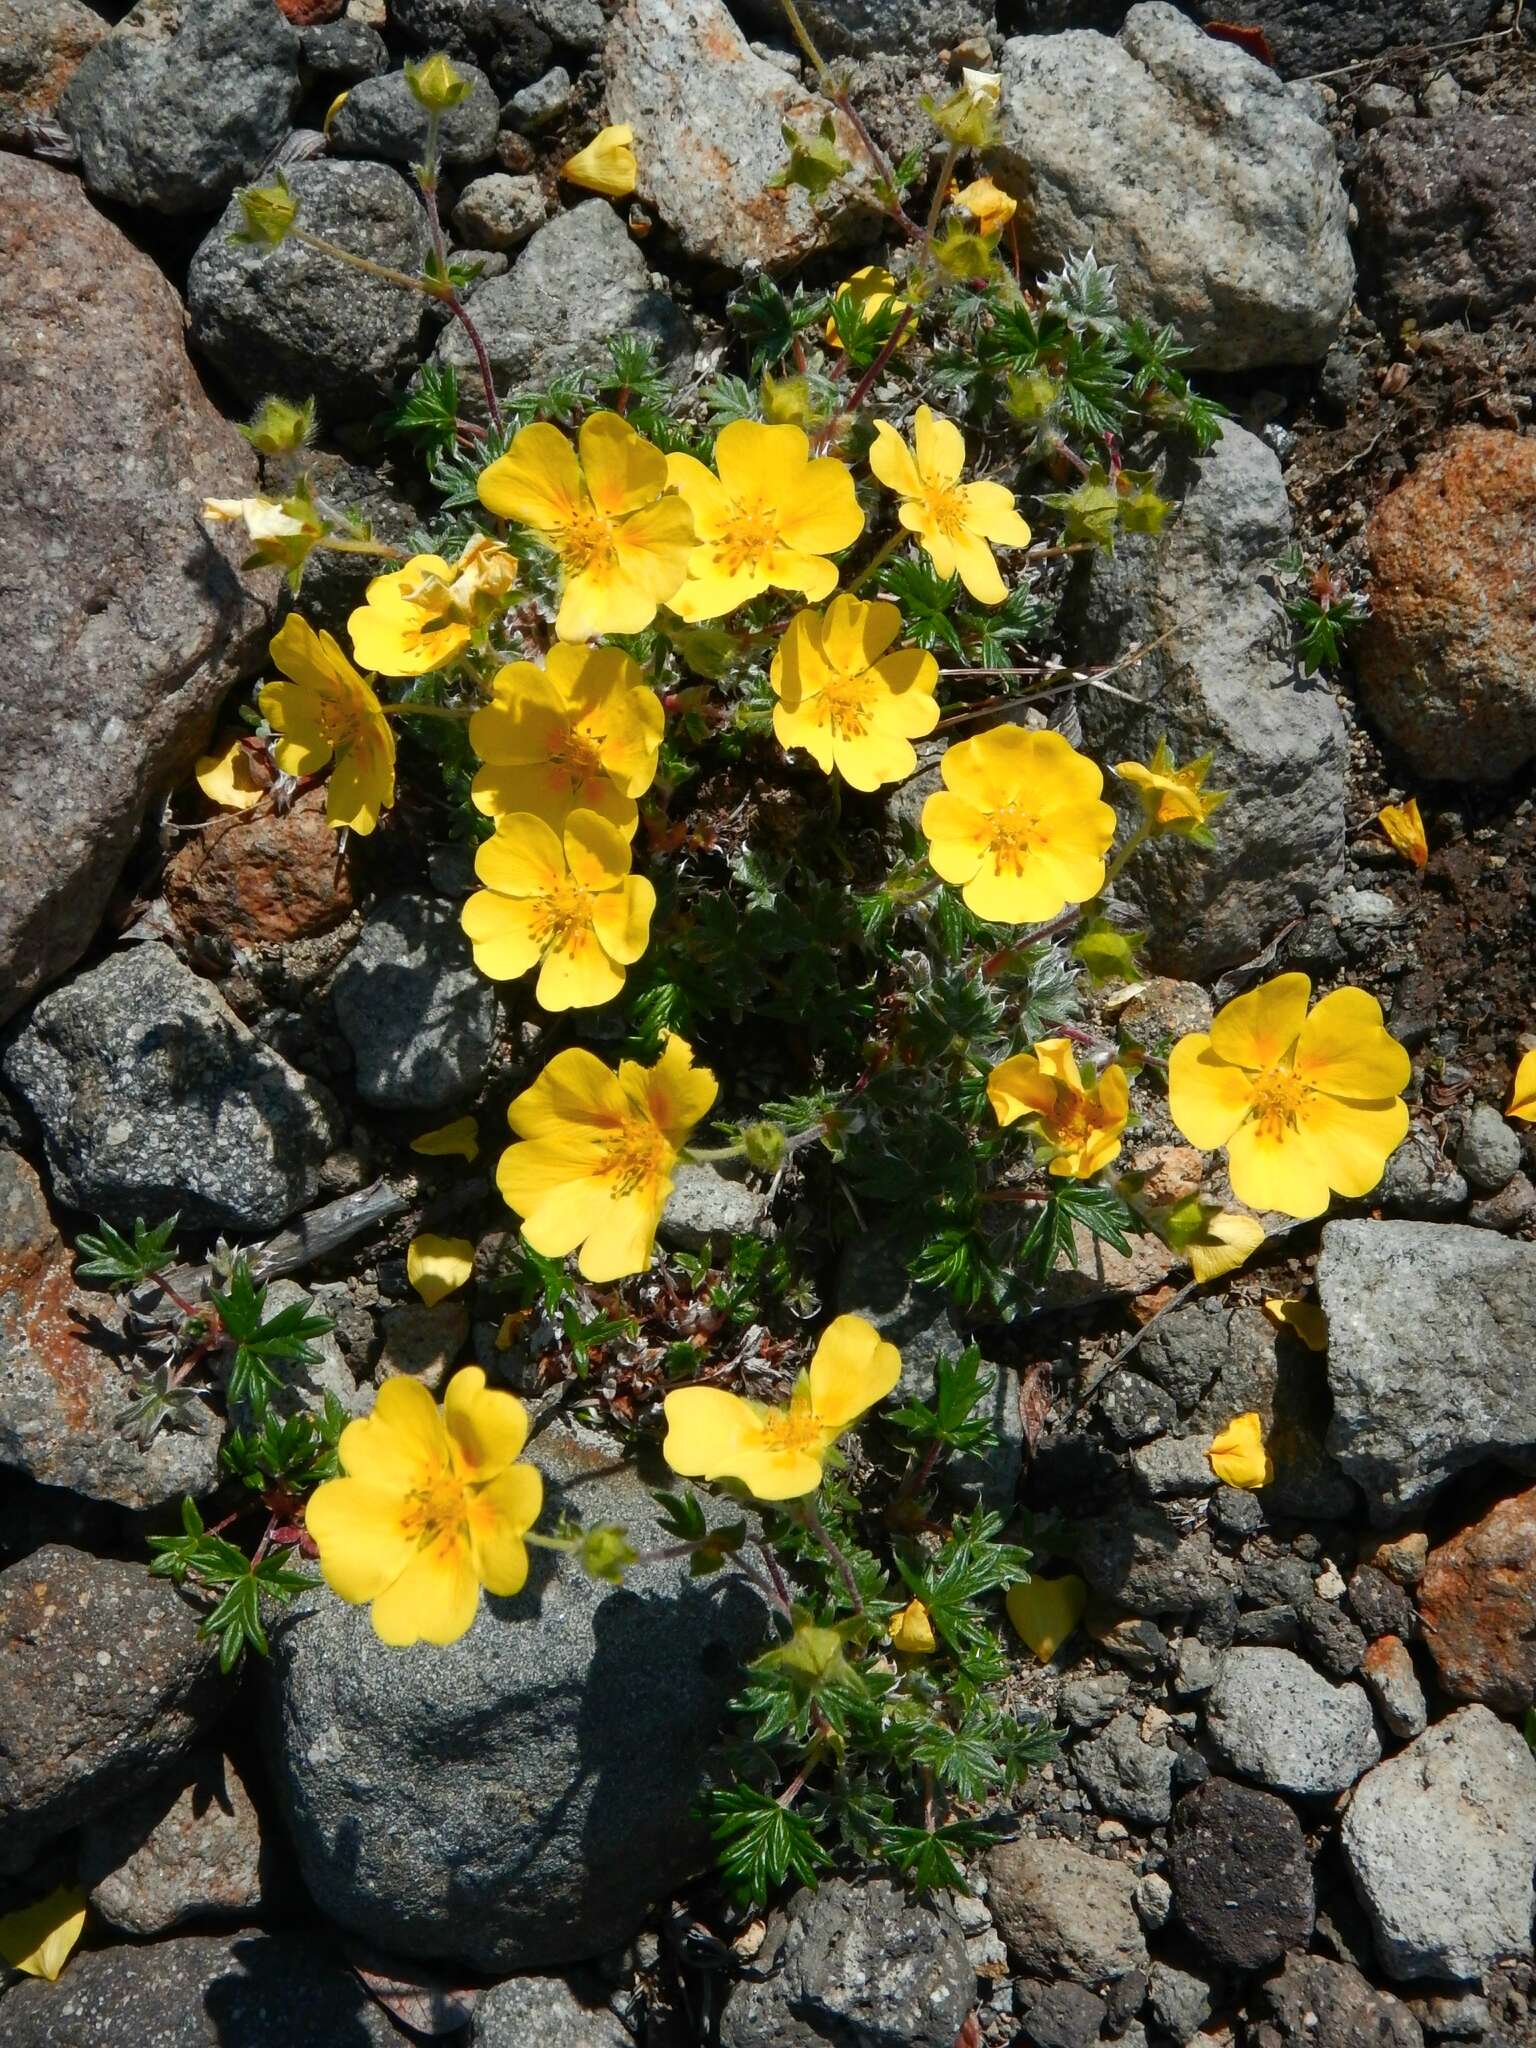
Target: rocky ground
(1295, 1806)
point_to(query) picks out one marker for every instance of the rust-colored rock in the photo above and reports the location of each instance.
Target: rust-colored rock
(1447, 660)
(42, 43)
(1477, 1604)
(261, 877)
(307, 13)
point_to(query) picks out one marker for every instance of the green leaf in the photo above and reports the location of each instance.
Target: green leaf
(952, 1420)
(761, 1843)
(1050, 1236)
(815, 161)
(125, 1262)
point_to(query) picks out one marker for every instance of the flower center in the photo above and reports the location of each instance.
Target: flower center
(945, 506)
(791, 1429)
(1015, 834)
(636, 1155)
(1277, 1100)
(576, 757)
(563, 913)
(436, 1511)
(586, 542)
(850, 703)
(749, 540)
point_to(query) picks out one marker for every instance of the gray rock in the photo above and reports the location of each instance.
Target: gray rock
(1471, 251)
(306, 1386)
(1178, 2000)
(711, 112)
(1316, 2002)
(105, 1682)
(1321, 35)
(1511, 1207)
(500, 211)
(864, 1965)
(1090, 1701)
(1464, 2016)
(1489, 1152)
(61, 1393)
(1439, 96)
(155, 1099)
(1124, 1776)
(1135, 1409)
(189, 1846)
(874, 28)
(537, 105)
(42, 43)
(1059, 2015)
(580, 280)
(1174, 1467)
(1197, 1669)
(1208, 189)
(1428, 1357)
(1153, 1900)
(298, 321)
(1242, 1884)
(505, 37)
(522, 1798)
(1380, 103)
(579, 24)
(1065, 1913)
(1141, 1557)
(1441, 1841)
(202, 1991)
(1273, 1718)
(182, 101)
(543, 2010)
(422, 1342)
(1420, 1182)
(1387, 1669)
(107, 572)
(706, 1210)
(1224, 682)
(381, 117)
(420, 1020)
(342, 52)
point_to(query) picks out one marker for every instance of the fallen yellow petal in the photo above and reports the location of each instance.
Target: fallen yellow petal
(1405, 828)
(1046, 1611)
(460, 1139)
(1304, 1319)
(226, 778)
(1522, 1101)
(38, 1938)
(606, 165)
(912, 1630)
(439, 1266)
(1226, 1241)
(1238, 1457)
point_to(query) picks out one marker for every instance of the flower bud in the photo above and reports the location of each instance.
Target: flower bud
(968, 118)
(435, 85)
(606, 1553)
(280, 428)
(764, 1144)
(269, 211)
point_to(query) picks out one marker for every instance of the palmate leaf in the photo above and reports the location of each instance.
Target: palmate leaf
(125, 1262)
(961, 1388)
(1050, 1236)
(761, 1843)
(262, 1341)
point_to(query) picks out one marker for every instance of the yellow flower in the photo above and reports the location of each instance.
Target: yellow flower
(607, 164)
(326, 710)
(787, 401)
(1304, 1105)
(1304, 1319)
(622, 536)
(1222, 1240)
(458, 1140)
(423, 616)
(1405, 828)
(849, 703)
(226, 777)
(953, 521)
(262, 518)
(38, 1939)
(766, 521)
(433, 1506)
(990, 208)
(1173, 799)
(568, 902)
(594, 1166)
(1019, 824)
(778, 1453)
(1080, 1123)
(1237, 1455)
(1046, 1611)
(438, 1266)
(1522, 1100)
(871, 289)
(911, 1631)
(581, 733)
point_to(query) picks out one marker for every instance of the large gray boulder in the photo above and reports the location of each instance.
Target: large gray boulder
(154, 1099)
(128, 622)
(1187, 166)
(1430, 1331)
(879, 28)
(182, 101)
(521, 1799)
(1223, 682)
(296, 321)
(1441, 1842)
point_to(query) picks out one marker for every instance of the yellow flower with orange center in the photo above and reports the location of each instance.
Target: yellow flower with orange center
(780, 1453)
(581, 733)
(1078, 1121)
(989, 206)
(432, 1506)
(324, 712)
(425, 615)
(767, 516)
(955, 522)
(564, 902)
(1174, 800)
(605, 508)
(852, 705)
(1306, 1105)
(593, 1167)
(1019, 824)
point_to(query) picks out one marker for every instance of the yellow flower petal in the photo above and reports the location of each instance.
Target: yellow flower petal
(226, 777)
(433, 1600)
(1345, 1049)
(361, 1534)
(853, 1368)
(486, 1426)
(460, 1140)
(500, 1513)
(1405, 829)
(708, 1431)
(1256, 1029)
(1522, 1100)
(1304, 1319)
(607, 164)
(1046, 1612)
(911, 1631)
(37, 1939)
(1207, 1097)
(438, 1266)
(1226, 1240)
(1237, 1455)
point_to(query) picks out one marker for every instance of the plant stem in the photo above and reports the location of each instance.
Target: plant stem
(1137, 839)
(824, 1537)
(879, 559)
(426, 178)
(381, 548)
(323, 247)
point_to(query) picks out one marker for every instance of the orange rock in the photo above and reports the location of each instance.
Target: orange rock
(1447, 660)
(1477, 1605)
(305, 13)
(260, 877)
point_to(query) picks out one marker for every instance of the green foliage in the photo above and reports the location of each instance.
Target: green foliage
(208, 1561)
(1050, 1237)
(261, 1342)
(1324, 612)
(771, 320)
(955, 1420)
(120, 1262)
